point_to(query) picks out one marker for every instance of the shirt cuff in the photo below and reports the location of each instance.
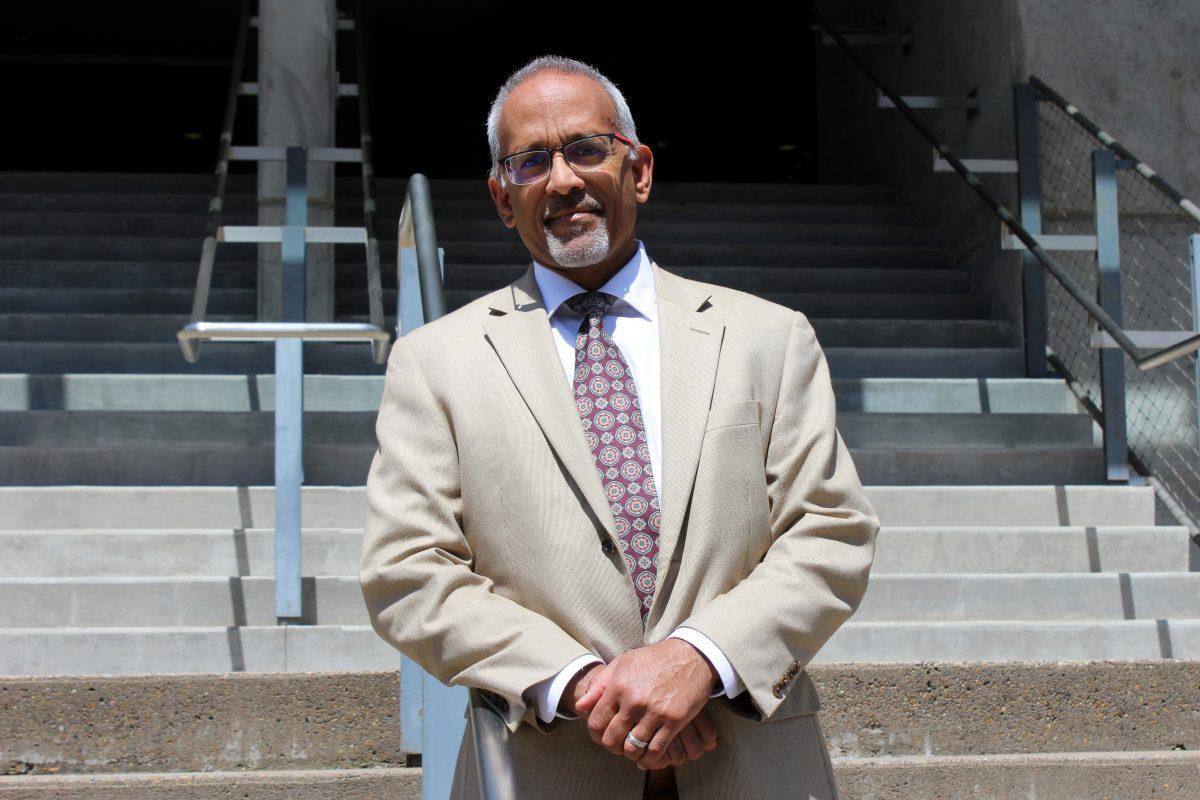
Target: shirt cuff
(731, 683)
(548, 693)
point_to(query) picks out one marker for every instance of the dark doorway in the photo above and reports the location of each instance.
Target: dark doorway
(717, 96)
(140, 85)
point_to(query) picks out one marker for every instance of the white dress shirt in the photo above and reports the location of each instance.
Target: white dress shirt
(633, 325)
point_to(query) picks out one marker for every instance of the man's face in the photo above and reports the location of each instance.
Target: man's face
(578, 221)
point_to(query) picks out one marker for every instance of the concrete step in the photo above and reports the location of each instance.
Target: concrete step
(1008, 506)
(442, 189)
(97, 274)
(163, 650)
(681, 229)
(979, 466)
(924, 362)
(171, 602)
(938, 431)
(171, 552)
(165, 392)
(242, 358)
(955, 395)
(923, 333)
(1008, 640)
(349, 208)
(396, 783)
(223, 358)
(1046, 776)
(974, 550)
(915, 431)
(122, 300)
(292, 648)
(120, 327)
(152, 507)
(337, 720)
(74, 223)
(116, 248)
(348, 465)
(1041, 597)
(116, 552)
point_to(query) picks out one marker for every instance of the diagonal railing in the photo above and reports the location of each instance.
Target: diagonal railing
(1048, 262)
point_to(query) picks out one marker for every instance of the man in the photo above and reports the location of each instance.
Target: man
(613, 498)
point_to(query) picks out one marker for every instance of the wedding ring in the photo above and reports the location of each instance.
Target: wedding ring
(636, 742)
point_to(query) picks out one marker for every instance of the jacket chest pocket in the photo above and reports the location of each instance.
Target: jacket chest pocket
(729, 501)
(727, 415)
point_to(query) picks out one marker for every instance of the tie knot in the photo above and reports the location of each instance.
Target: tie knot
(589, 304)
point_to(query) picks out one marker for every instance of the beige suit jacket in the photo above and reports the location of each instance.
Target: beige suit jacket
(490, 556)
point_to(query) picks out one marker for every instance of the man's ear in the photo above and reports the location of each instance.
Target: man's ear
(643, 173)
(500, 198)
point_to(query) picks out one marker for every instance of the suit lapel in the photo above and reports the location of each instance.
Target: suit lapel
(690, 334)
(522, 338)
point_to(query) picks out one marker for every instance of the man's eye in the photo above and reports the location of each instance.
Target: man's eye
(586, 150)
(530, 160)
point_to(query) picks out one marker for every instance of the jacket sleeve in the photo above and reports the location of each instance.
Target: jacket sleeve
(814, 574)
(416, 572)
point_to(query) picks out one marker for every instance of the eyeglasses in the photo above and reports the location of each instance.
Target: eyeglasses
(588, 153)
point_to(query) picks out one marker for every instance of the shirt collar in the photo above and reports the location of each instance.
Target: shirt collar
(632, 283)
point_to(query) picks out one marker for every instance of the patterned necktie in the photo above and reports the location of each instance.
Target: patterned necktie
(607, 399)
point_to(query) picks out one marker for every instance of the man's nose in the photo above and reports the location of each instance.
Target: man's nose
(563, 179)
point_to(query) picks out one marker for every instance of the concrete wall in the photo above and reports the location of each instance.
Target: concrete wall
(1126, 63)
(1130, 65)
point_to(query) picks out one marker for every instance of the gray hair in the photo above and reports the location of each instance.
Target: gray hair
(624, 120)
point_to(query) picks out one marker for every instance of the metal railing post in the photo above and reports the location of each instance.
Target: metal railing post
(1194, 253)
(1033, 279)
(289, 395)
(1108, 294)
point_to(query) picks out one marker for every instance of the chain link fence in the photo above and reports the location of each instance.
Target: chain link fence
(1156, 295)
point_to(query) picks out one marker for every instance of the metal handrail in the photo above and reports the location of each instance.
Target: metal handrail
(489, 733)
(1051, 265)
(493, 759)
(1102, 136)
(197, 331)
(417, 230)
(208, 251)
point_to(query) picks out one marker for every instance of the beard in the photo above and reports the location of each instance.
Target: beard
(578, 246)
(581, 249)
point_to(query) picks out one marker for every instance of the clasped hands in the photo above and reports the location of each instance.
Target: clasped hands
(656, 692)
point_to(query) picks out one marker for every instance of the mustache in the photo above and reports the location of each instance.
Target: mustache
(586, 203)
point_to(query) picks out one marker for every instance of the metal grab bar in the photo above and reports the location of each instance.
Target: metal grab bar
(417, 230)
(1144, 169)
(493, 759)
(1052, 266)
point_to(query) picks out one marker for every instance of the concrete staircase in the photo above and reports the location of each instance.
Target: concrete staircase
(136, 538)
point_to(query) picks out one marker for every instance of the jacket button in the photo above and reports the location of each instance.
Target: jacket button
(607, 546)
